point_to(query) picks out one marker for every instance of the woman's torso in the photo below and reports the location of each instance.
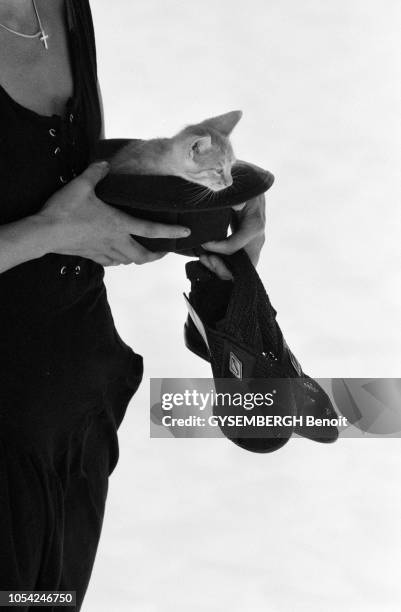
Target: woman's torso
(58, 345)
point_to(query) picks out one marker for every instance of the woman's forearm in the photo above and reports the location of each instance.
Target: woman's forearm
(22, 241)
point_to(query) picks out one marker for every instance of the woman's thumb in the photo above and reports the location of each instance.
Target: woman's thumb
(96, 172)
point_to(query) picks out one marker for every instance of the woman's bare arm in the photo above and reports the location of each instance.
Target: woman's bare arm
(21, 241)
(75, 222)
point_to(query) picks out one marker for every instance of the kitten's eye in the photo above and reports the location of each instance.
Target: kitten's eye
(220, 171)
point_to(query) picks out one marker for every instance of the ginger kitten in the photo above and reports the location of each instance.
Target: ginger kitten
(200, 153)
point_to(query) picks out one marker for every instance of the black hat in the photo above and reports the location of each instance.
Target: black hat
(170, 199)
(232, 324)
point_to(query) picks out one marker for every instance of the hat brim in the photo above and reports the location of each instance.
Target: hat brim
(172, 193)
(170, 199)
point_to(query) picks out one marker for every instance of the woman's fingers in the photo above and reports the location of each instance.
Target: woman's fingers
(123, 252)
(126, 251)
(120, 257)
(216, 265)
(239, 206)
(79, 223)
(150, 256)
(95, 172)
(116, 258)
(130, 251)
(250, 230)
(103, 260)
(230, 245)
(150, 229)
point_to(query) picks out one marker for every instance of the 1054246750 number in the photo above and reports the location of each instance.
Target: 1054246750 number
(39, 598)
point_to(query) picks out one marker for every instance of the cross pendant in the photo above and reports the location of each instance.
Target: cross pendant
(43, 39)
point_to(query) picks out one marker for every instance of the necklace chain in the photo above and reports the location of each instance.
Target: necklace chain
(41, 32)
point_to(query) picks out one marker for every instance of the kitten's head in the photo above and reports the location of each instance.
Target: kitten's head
(203, 152)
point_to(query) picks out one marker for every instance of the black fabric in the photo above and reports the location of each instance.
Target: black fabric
(52, 512)
(60, 353)
(170, 199)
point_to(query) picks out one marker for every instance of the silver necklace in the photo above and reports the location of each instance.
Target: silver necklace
(41, 32)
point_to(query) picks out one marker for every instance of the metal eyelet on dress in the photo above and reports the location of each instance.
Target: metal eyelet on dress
(57, 150)
(269, 355)
(63, 270)
(52, 132)
(63, 179)
(77, 270)
(71, 117)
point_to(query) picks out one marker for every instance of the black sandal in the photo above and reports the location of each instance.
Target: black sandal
(233, 326)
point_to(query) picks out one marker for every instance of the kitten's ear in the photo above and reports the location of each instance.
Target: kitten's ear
(224, 123)
(200, 145)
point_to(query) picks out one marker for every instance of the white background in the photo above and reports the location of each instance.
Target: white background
(198, 525)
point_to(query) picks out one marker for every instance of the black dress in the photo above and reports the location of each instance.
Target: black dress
(66, 375)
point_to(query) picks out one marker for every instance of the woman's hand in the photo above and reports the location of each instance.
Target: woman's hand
(248, 233)
(80, 224)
